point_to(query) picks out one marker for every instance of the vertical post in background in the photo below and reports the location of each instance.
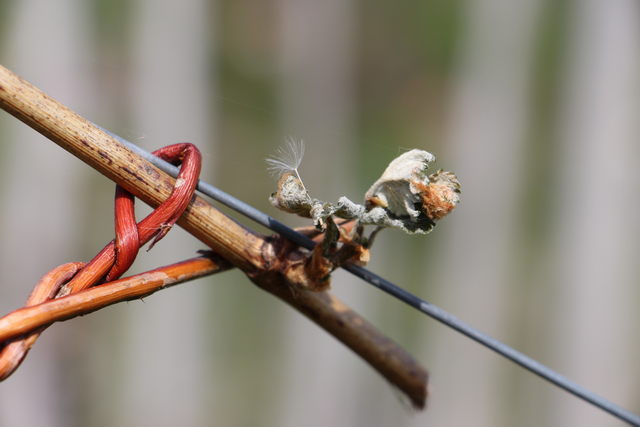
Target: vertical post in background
(316, 65)
(595, 249)
(40, 186)
(165, 352)
(487, 139)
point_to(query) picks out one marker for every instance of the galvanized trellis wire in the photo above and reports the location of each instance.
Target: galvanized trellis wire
(401, 294)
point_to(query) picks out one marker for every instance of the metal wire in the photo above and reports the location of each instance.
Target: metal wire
(401, 294)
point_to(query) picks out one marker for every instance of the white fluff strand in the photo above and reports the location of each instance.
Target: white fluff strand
(287, 159)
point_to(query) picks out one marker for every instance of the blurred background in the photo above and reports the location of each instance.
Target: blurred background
(533, 104)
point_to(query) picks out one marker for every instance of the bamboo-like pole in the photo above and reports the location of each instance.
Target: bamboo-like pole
(258, 257)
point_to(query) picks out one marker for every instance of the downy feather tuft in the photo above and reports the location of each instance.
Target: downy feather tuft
(287, 159)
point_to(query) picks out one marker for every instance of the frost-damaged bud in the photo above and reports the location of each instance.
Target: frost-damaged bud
(404, 197)
(413, 200)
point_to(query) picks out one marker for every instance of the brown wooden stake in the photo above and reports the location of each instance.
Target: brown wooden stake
(263, 261)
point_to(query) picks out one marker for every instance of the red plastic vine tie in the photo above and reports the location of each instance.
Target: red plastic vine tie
(117, 256)
(14, 352)
(127, 242)
(156, 224)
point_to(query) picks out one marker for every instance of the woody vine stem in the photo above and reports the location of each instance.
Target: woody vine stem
(265, 260)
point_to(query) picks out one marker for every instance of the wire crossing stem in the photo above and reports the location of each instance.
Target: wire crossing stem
(405, 296)
(56, 130)
(258, 256)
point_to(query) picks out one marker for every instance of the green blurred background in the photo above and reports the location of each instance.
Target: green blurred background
(533, 104)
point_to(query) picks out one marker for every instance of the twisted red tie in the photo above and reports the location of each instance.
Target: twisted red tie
(117, 256)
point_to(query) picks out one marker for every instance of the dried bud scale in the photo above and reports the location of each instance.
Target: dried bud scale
(441, 195)
(291, 196)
